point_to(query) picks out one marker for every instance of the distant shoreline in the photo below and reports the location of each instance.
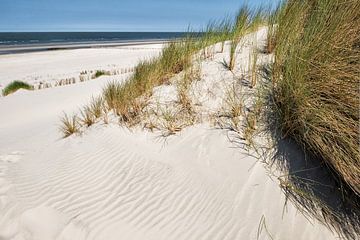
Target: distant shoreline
(27, 48)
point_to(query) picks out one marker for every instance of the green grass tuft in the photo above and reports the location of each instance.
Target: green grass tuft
(99, 73)
(14, 86)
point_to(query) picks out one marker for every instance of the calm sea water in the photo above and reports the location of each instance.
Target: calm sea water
(26, 38)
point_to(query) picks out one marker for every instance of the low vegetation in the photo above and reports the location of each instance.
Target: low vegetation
(233, 107)
(272, 20)
(14, 86)
(315, 89)
(87, 117)
(128, 99)
(96, 107)
(99, 73)
(246, 21)
(253, 71)
(69, 125)
(242, 24)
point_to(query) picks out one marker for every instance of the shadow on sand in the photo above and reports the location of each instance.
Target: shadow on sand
(316, 190)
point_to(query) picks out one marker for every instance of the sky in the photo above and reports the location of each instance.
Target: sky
(115, 15)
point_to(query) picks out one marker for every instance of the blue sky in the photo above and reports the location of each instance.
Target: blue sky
(114, 15)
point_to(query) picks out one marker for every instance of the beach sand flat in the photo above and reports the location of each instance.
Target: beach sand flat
(52, 66)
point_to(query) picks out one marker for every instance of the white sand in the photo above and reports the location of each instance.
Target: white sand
(112, 183)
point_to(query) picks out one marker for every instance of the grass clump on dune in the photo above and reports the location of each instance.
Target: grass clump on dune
(99, 73)
(69, 125)
(128, 99)
(272, 18)
(253, 59)
(96, 107)
(316, 77)
(246, 21)
(14, 86)
(87, 117)
(239, 29)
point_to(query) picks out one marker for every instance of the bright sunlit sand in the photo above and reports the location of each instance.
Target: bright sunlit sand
(161, 141)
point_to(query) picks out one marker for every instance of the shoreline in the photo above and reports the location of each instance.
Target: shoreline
(28, 48)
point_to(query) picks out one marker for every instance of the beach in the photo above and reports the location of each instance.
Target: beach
(111, 181)
(49, 67)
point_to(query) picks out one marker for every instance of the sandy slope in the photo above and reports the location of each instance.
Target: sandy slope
(112, 183)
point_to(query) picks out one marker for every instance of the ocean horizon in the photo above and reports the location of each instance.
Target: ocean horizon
(39, 38)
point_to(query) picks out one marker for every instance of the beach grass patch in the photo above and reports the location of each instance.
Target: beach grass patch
(14, 86)
(69, 125)
(99, 73)
(316, 82)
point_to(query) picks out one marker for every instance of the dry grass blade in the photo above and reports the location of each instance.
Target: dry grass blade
(69, 125)
(262, 225)
(96, 107)
(87, 117)
(233, 47)
(253, 66)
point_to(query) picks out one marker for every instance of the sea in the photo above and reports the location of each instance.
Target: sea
(19, 38)
(12, 42)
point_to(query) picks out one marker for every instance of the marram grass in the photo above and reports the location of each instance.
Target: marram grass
(316, 81)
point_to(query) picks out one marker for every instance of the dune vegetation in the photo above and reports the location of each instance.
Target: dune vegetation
(316, 76)
(99, 73)
(69, 125)
(14, 86)
(315, 99)
(129, 98)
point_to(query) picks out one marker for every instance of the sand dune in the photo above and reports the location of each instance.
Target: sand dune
(113, 183)
(102, 187)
